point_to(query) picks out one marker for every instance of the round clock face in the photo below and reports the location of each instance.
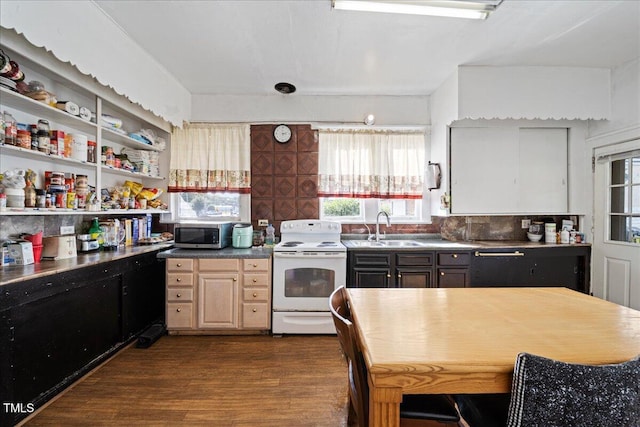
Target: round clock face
(282, 133)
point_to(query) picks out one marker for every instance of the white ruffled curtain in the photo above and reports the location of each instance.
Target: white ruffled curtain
(207, 157)
(371, 164)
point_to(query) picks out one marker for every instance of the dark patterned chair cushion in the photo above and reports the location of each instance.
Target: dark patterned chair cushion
(549, 393)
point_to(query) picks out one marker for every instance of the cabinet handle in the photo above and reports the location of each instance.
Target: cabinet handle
(442, 273)
(235, 279)
(255, 280)
(179, 279)
(255, 295)
(388, 276)
(255, 265)
(178, 310)
(179, 264)
(254, 310)
(178, 295)
(455, 255)
(399, 276)
(488, 254)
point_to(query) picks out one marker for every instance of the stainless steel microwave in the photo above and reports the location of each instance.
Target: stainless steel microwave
(211, 235)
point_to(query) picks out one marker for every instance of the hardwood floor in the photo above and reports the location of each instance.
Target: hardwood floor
(213, 381)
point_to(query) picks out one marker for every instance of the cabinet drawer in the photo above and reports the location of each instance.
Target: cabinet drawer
(256, 264)
(372, 259)
(179, 316)
(179, 264)
(256, 294)
(421, 259)
(219, 264)
(179, 279)
(453, 258)
(256, 280)
(179, 294)
(255, 316)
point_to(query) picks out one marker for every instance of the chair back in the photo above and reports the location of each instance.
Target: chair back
(358, 388)
(549, 392)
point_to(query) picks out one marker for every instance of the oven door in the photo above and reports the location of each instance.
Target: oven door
(303, 281)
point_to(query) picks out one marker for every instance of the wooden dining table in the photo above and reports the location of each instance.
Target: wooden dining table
(465, 340)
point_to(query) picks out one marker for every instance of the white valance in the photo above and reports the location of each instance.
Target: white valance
(378, 164)
(208, 157)
(80, 33)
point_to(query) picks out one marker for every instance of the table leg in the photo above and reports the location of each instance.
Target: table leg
(384, 406)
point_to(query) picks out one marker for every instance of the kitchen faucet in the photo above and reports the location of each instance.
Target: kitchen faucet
(378, 224)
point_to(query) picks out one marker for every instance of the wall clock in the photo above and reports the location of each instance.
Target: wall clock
(282, 134)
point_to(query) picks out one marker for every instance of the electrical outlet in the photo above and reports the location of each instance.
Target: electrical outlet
(263, 222)
(67, 229)
(526, 223)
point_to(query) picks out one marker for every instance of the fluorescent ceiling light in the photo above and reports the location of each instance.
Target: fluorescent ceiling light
(454, 8)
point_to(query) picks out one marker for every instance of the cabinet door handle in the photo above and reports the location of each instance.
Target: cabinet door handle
(178, 310)
(235, 279)
(179, 279)
(255, 265)
(255, 280)
(399, 276)
(454, 256)
(179, 264)
(490, 254)
(388, 276)
(254, 310)
(442, 273)
(178, 295)
(255, 295)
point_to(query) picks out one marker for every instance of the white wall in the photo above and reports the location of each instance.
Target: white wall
(292, 108)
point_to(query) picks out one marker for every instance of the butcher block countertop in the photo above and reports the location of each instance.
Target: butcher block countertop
(16, 273)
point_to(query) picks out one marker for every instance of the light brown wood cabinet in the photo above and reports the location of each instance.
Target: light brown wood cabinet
(218, 295)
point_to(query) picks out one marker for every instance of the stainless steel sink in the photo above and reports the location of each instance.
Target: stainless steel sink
(386, 243)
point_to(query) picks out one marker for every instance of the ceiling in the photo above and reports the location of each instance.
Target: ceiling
(246, 47)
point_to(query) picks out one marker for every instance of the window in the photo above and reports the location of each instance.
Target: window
(363, 172)
(624, 190)
(212, 206)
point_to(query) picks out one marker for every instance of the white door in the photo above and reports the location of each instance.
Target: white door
(616, 252)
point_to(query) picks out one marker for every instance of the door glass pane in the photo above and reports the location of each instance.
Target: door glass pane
(308, 282)
(619, 172)
(619, 227)
(620, 199)
(635, 165)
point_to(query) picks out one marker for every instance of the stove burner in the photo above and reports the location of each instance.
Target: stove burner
(291, 244)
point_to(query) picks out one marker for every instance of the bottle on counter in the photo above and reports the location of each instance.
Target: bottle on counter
(95, 231)
(270, 236)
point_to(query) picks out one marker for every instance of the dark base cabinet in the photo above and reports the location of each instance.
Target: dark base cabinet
(566, 266)
(56, 328)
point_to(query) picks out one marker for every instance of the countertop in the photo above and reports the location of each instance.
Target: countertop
(430, 243)
(16, 273)
(229, 252)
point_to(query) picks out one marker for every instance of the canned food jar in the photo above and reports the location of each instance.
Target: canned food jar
(57, 178)
(24, 139)
(71, 200)
(41, 199)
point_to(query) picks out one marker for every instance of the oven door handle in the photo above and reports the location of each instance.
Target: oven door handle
(310, 255)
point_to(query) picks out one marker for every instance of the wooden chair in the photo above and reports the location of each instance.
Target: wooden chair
(416, 410)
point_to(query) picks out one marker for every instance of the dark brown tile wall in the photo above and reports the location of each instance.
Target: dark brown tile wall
(284, 177)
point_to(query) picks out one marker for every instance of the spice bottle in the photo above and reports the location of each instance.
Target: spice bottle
(43, 136)
(10, 129)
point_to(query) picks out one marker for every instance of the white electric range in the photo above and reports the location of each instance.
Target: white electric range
(308, 264)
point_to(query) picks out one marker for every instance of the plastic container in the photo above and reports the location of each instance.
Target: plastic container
(15, 197)
(79, 144)
(270, 236)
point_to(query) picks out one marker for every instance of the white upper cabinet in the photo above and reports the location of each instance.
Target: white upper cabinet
(508, 170)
